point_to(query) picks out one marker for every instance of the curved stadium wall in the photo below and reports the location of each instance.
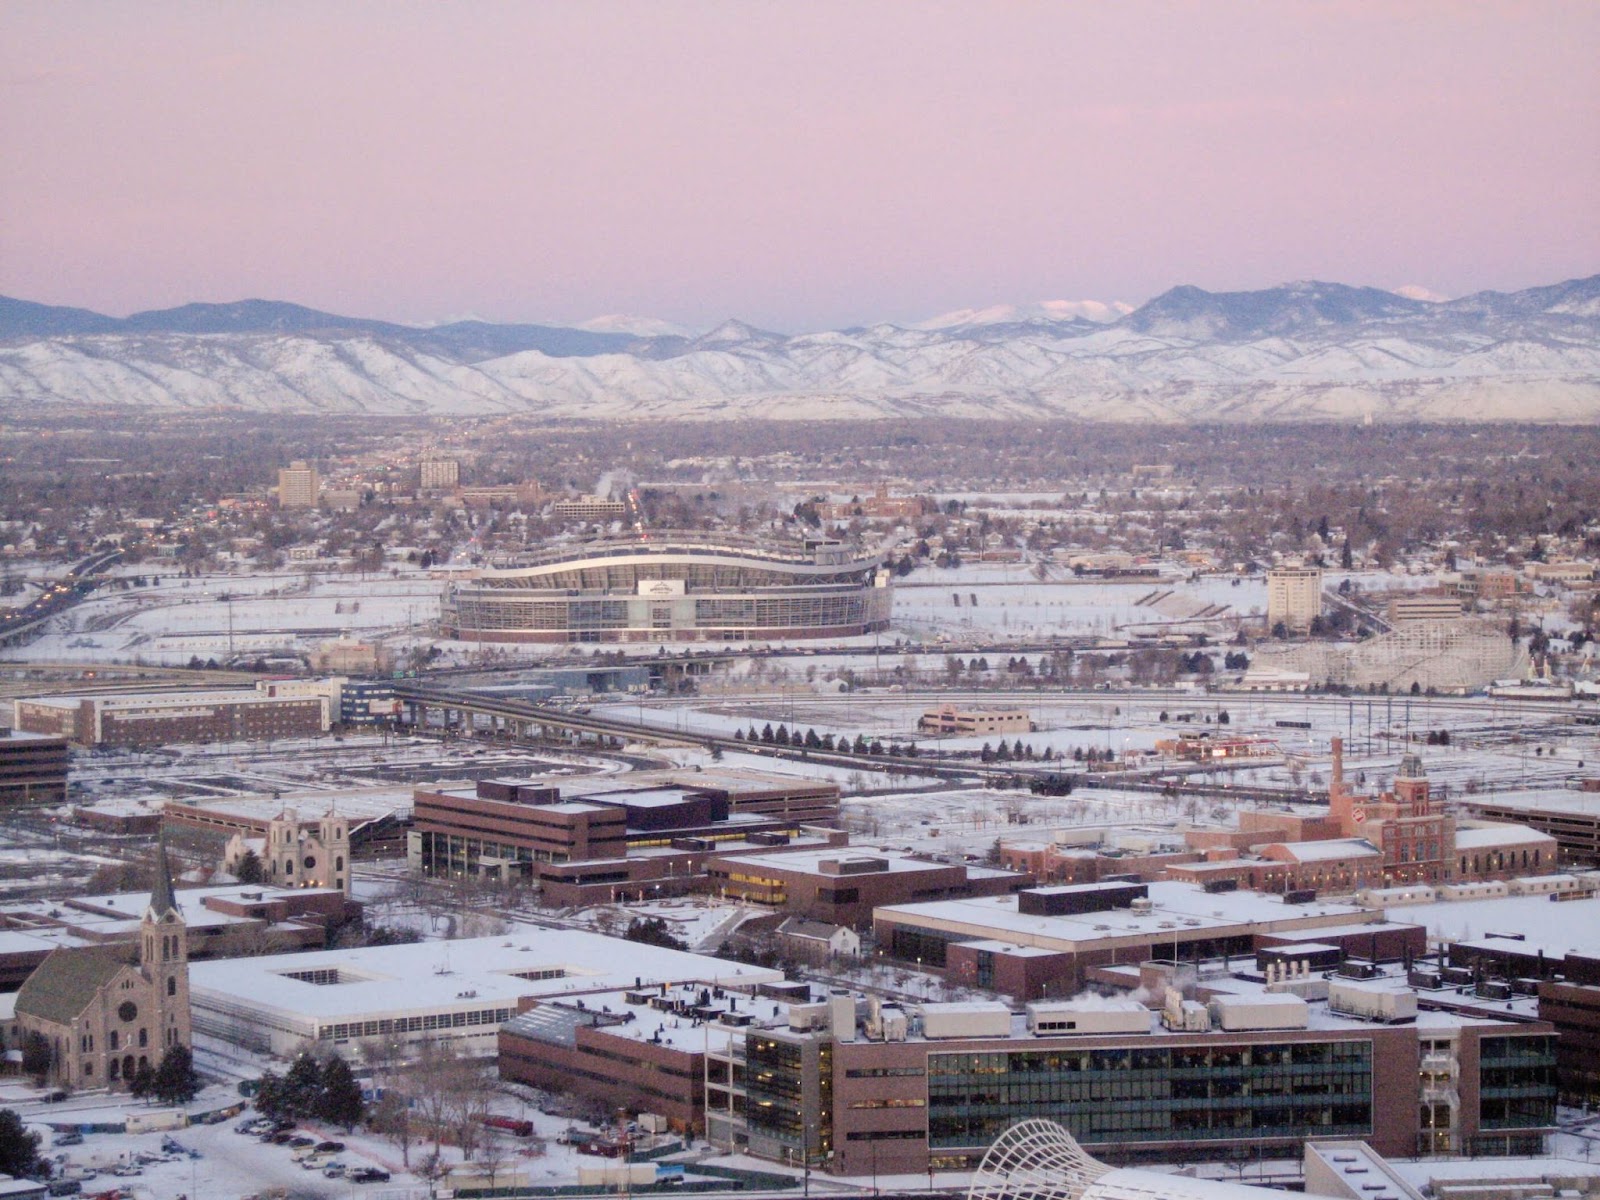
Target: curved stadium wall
(673, 590)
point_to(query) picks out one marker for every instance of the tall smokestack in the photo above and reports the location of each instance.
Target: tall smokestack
(1337, 786)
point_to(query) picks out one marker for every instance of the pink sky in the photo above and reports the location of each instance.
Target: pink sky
(797, 165)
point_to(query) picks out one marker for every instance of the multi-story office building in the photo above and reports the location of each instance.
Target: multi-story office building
(1294, 597)
(590, 508)
(842, 887)
(550, 828)
(863, 1086)
(440, 474)
(33, 768)
(1423, 606)
(261, 713)
(299, 486)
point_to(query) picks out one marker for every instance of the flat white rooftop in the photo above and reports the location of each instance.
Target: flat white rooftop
(1558, 800)
(387, 981)
(810, 861)
(1473, 837)
(1570, 927)
(1180, 911)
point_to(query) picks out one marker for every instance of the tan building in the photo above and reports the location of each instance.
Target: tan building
(440, 474)
(269, 710)
(879, 506)
(346, 654)
(1425, 606)
(591, 508)
(293, 854)
(948, 719)
(108, 1010)
(298, 485)
(1294, 597)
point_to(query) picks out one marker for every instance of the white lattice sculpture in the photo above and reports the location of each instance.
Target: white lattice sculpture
(1035, 1160)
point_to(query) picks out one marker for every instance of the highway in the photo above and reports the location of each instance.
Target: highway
(59, 596)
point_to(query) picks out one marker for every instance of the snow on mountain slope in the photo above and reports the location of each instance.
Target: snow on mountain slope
(1301, 351)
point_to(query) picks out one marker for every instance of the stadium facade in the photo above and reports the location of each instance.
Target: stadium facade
(673, 588)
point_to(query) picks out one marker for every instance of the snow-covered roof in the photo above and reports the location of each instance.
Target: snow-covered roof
(1479, 837)
(356, 804)
(1562, 800)
(1572, 927)
(1180, 911)
(1330, 849)
(385, 981)
(810, 861)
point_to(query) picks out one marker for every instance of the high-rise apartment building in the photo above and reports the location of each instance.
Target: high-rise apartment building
(440, 474)
(298, 485)
(1294, 596)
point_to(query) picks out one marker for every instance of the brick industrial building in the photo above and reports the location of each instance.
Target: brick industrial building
(1048, 941)
(265, 712)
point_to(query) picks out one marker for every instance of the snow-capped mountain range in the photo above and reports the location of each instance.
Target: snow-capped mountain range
(1296, 352)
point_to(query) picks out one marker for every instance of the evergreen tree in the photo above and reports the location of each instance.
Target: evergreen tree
(860, 744)
(301, 1087)
(781, 738)
(270, 1096)
(812, 742)
(37, 1056)
(19, 1149)
(766, 733)
(175, 1081)
(143, 1081)
(249, 868)
(340, 1102)
(653, 931)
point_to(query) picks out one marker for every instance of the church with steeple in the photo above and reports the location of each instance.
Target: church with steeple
(105, 1010)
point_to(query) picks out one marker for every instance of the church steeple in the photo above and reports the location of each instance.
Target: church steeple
(162, 898)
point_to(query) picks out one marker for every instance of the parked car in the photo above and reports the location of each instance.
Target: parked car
(331, 1147)
(64, 1187)
(302, 1140)
(67, 1139)
(334, 1170)
(368, 1175)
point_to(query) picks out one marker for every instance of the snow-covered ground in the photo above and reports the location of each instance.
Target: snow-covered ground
(219, 615)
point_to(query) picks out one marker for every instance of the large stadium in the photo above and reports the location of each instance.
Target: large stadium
(673, 588)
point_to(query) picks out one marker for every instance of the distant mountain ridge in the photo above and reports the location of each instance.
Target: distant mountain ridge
(1306, 350)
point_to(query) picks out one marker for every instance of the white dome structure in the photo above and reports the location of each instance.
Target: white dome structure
(1041, 1160)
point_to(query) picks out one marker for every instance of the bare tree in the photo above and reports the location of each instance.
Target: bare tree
(392, 1118)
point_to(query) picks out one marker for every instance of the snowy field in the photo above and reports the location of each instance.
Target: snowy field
(979, 604)
(219, 615)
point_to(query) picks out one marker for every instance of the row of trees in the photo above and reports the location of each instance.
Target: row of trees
(319, 1089)
(811, 740)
